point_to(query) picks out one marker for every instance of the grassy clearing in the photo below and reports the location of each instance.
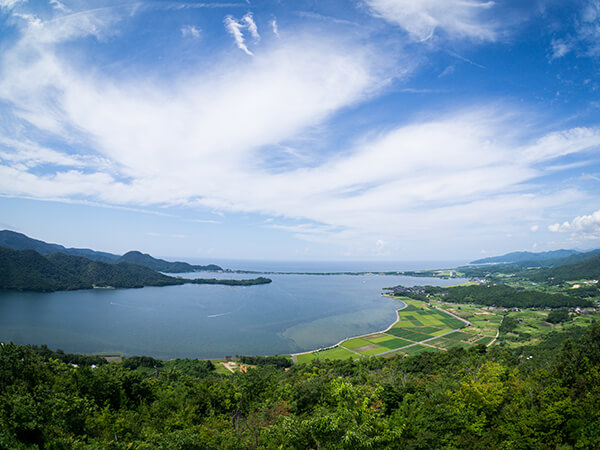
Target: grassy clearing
(337, 352)
(356, 343)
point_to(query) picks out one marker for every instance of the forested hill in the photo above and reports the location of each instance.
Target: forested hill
(525, 256)
(515, 257)
(27, 270)
(19, 241)
(582, 270)
(161, 265)
(493, 295)
(528, 268)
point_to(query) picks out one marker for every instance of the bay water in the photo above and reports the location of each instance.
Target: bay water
(294, 313)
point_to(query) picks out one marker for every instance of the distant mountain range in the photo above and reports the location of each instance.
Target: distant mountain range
(515, 257)
(19, 241)
(541, 259)
(161, 265)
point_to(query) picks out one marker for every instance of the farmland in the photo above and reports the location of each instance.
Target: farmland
(420, 327)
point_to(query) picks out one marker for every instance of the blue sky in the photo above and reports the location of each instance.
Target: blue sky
(302, 130)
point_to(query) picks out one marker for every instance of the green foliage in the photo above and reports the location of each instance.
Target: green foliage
(558, 316)
(133, 362)
(70, 358)
(508, 324)
(587, 269)
(226, 282)
(276, 360)
(161, 265)
(505, 296)
(542, 396)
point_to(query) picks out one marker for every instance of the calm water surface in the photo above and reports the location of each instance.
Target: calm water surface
(294, 313)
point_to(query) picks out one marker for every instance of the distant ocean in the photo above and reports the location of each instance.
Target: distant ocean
(322, 266)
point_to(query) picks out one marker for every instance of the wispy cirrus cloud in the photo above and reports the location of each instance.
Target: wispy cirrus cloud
(584, 39)
(236, 29)
(456, 18)
(190, 31)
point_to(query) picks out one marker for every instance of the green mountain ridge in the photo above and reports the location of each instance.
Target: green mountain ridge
(587, 269)
(19, 241)
(31, 271)
(161, 265)
(515, 257)
(27, 270)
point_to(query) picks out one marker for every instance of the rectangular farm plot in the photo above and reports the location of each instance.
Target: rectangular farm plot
(305, 357)
(409, 334)
(380, 338)
(403, 323)
(457, 336)
(394, 343)
(439, 342)
(453, 323)
(373, 351)
(366, 348)
(416, 349)
(335, 353)
(355, 343)
(484, 340)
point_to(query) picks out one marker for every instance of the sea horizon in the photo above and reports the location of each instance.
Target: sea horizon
(321, 266)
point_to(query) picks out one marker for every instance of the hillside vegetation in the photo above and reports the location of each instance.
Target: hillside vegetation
(19, 241)
(493, 295)
(543, 396)
(161, 265)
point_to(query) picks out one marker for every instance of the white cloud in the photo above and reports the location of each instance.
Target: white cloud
(8, 5)
(563, 143)
(588, 28)
(560, 47)
(583, 227)
(205, 141)
(236, 29)
(585, 37)
(190, 31)
(449, 70)
(56, 4)
(248, 19)
(274, 27)
(534, 228)
(457, 18)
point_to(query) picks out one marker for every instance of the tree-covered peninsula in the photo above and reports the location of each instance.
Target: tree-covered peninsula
(27, 270)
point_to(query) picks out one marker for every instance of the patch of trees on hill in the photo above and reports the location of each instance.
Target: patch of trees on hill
(498, 295)
(276, 360)
(583, 270)
(543, 396)
(161, 265)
